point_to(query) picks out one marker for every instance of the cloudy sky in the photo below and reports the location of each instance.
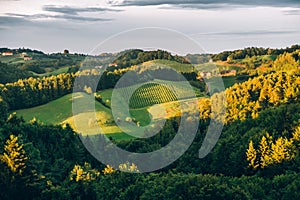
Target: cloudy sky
(216, 25)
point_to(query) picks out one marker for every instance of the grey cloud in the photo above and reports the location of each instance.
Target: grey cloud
(65, 13)
(191, 3)
(46, 16)
(80, 18)
(8, 20)
(246, 33)
(74, 10)
(202, 6)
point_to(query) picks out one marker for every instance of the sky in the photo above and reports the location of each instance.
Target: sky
(212, 25)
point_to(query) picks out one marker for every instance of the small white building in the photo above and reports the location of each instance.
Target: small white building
(7, 54)
(26, 58)
(113, 65)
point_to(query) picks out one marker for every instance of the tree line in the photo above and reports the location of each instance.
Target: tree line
(253, 51)
(137, 56)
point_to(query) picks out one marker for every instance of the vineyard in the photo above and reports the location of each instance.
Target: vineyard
(156, 92)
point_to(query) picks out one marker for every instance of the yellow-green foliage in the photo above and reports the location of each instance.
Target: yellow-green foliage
(265, 151)
(296, 135)
(285, 62)
(108, 170)
(14, 155)
(127, 167)
(252, 156)
(247, 99)
(84, 173)
(270, 151)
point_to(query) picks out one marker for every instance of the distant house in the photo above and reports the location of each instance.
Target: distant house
(24, 54)
(26, 58)
(228, 73)
(113, 65)
(7, 54)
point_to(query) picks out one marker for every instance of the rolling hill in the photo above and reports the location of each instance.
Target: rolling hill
(59, 111)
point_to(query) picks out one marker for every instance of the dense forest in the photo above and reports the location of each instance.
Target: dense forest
(137, 56)
(256, 157)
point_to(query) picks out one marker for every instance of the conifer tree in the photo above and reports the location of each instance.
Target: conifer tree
(280, 150)
(285, 62)
(14, 155)
(252, 156)
(265, 152)
(84, 173)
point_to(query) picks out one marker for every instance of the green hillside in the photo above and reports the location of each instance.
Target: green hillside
(54, 73)
(38, 65)
(179, 67)
(53, 112)
(156, 92)
(59, 111)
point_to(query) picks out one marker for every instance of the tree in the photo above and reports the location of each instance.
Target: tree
(14, 155)
(282, 150)
(66, 51)
(85, 173)
(19, 181)
(285, 62)
(252, 156)
(265, 152)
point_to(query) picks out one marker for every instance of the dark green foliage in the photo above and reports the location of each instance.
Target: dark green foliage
(10, 73)
(52, 152)
(198, 58)
(252, 51)
(3, 109)
(20, 50)
(137, 56)
(36, 91)
(15, 67)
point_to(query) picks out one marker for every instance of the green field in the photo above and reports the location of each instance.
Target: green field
(216, 67)
(263, 58)
(229, 81)
(53, 112)
(12, 59)
(106, 96)
(179, 67)
(52, 73)
(59, 111)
